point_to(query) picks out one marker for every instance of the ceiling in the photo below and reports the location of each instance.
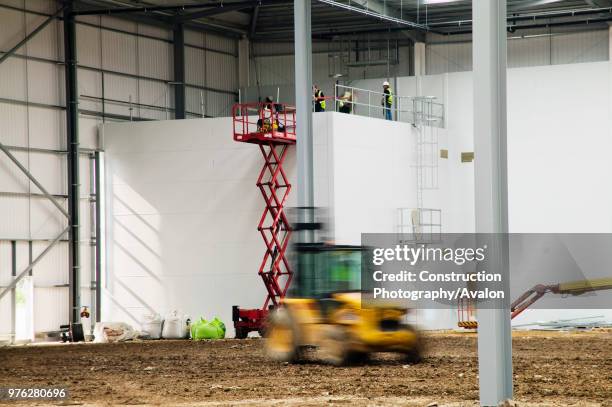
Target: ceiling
(272, 20)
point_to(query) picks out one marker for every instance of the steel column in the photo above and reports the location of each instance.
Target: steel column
(98, 264)
(72, 128)
(179, 71)
(303, 103)
(491, 192)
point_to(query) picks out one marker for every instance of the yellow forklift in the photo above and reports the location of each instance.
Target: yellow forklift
(327, 310)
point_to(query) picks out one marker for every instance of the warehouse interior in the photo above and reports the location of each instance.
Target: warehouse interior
(124, 192)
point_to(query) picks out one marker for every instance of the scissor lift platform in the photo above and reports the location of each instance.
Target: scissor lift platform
(272, 127)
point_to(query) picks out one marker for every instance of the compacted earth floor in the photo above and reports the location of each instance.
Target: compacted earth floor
(550, 368)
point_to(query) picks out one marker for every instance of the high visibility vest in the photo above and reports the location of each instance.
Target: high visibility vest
(321, 103)
(389, 98)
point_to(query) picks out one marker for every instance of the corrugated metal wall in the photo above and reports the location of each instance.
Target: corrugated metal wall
(273, 64)
(129, 66)
(531, 48)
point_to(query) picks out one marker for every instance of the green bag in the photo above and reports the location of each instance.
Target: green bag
(204, 329)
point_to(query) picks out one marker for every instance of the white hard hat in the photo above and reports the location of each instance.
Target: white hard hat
(385, 83)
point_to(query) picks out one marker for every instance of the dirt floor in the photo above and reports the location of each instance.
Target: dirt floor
(550, 368)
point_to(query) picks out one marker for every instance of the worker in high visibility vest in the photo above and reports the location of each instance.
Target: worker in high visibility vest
(319, 99)
(387, 101)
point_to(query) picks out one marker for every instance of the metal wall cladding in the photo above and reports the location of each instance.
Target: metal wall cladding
(441, 58)
(223, 44)
(45, 83)
(119, 24)
(88, 45)
(273, 70)
(42, 6)
(50, 308)
(14, 217)
(5, 323)
(155, 58)
(13, 124)
(195, 101)
(531, 48)
(153, 31)
(590, 46)
(219, 104)
(194, 38)
(221, 71)
(13, 79)
(46, 128)
(45, 43)
(530, 51)
(12, 28)
(50, 270)
(195, 66)
(119, 52)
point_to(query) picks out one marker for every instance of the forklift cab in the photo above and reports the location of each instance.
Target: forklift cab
(324, 271)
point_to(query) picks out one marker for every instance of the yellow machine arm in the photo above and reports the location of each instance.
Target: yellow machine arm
(572, 288)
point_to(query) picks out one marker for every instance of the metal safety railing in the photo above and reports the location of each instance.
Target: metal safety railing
(416, 110)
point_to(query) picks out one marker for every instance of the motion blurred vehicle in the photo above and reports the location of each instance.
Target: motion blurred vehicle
(324, 310)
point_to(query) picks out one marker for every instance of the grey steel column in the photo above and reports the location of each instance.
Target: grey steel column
(72, 129)
(303, 103)
(491, 190)
(179, 71)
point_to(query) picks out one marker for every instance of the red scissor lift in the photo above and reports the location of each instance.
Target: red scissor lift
(272, 127)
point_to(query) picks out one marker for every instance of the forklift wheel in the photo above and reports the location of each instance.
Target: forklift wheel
(415, 354)
(241, 333)
(334, 346)
(282, 337)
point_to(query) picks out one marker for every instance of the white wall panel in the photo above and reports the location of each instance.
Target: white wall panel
(155, 94)
(167, 236)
